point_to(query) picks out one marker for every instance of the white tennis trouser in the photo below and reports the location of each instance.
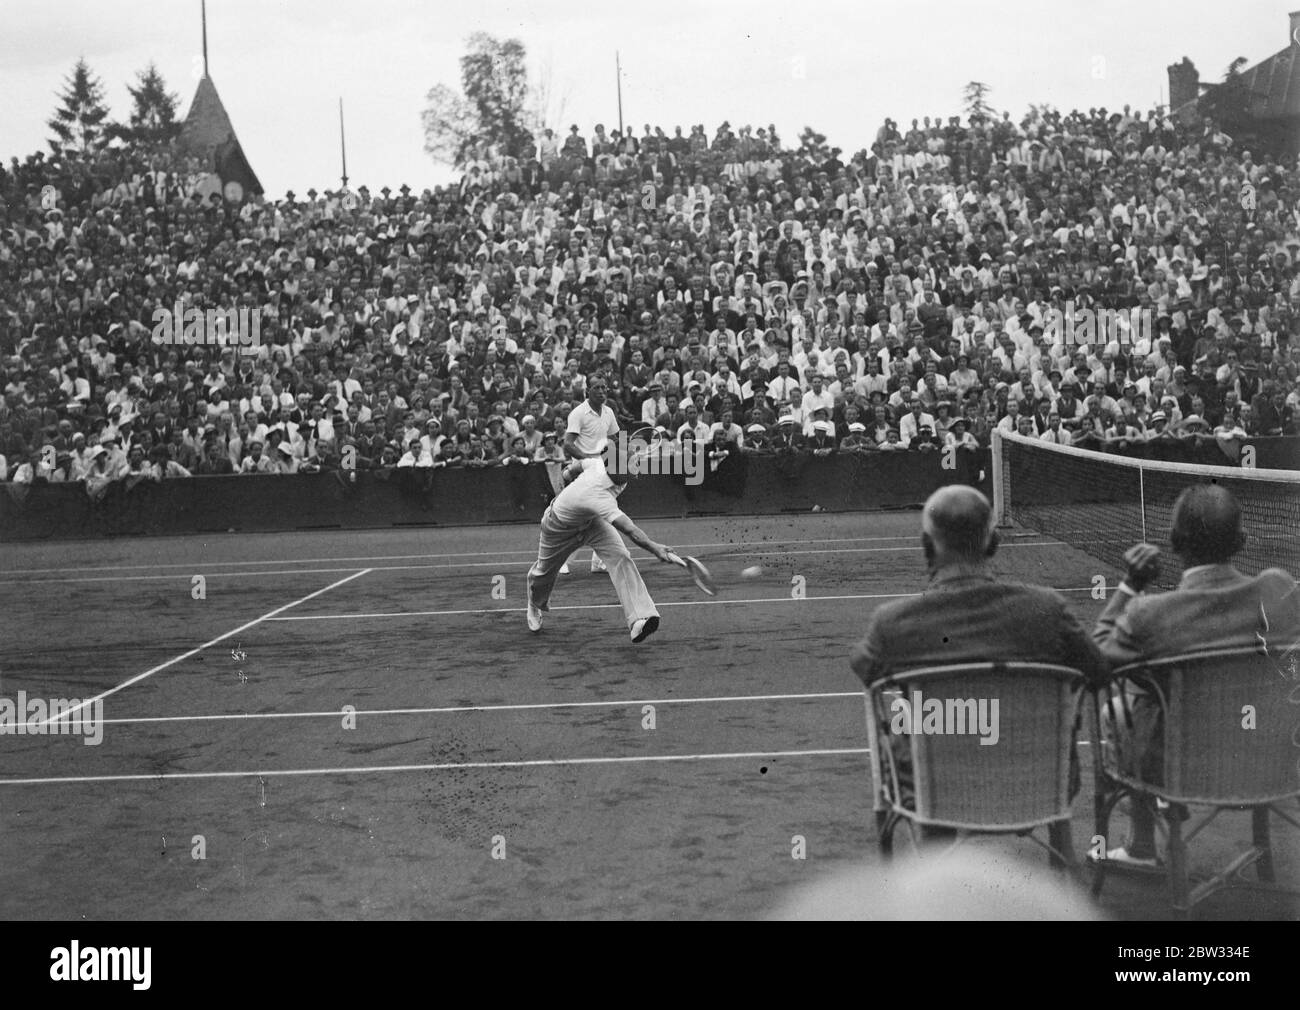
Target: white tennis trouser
(558, 542)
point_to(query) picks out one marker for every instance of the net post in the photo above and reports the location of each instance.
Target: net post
(1000, 517)
(1142, 501)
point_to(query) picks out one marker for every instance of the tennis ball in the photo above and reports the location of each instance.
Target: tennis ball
(752, 572)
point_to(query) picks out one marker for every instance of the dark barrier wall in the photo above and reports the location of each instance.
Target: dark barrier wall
(746, 485)
(752, 485)
(1281, 453)
(1276, 453)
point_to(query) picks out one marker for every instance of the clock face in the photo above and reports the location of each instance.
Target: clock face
(350, 202)
(1295, 35)
(233, 191)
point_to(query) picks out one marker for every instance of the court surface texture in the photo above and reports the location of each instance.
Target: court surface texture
(360, 725)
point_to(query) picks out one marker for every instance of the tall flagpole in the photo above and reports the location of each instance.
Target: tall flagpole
(618, 71)
(343, 147)
(204, 12)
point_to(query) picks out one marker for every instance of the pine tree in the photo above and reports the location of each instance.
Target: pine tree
(975, 99)
(79, 123)
(153, 119)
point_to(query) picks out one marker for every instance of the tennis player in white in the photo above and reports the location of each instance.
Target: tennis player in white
(591, 426)
(586, 514)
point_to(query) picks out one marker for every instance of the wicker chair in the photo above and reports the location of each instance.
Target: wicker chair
(958, 783)
(1231, 741)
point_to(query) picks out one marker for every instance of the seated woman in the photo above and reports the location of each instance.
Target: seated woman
(958, 437)
(1087, 437)
(517, 452)
(878, 429)
(550, 454)
(943, 419)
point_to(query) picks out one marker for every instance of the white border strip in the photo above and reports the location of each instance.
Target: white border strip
(445, 766)
(532, 552)
(269, 616)
(198, 568)
(617, 606)
(1189, 469)
(454, 709)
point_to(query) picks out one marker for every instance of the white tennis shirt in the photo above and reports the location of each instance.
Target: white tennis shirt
(592, 495)
(591, 427)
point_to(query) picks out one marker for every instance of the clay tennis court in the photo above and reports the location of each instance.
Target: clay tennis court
(225, 718)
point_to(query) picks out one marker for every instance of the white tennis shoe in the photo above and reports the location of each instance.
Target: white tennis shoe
(597, 565)
(534, 618)
(644, 628)
(564, 568)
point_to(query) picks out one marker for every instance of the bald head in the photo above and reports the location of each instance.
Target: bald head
(958, 521)
(960, 885)
(1206, 525)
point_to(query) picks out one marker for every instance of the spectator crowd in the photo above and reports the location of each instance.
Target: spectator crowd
(730, 289)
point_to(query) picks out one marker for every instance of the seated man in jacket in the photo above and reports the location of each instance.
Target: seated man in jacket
(1214, 607)
(966, 615)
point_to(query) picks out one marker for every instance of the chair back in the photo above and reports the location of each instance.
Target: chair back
(1231, 723)
(990, 743)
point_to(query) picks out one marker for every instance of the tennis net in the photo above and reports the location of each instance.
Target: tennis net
(1102, 504)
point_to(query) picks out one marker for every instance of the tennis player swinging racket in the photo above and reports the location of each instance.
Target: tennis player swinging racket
(592, 425)
(586, 514)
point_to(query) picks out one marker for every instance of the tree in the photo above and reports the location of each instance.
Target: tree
(79, 123)
(813, 146)
(493, 106)
(545, 107)
(450, 125)
(975, 101)
(153, 119)
(1228, 104)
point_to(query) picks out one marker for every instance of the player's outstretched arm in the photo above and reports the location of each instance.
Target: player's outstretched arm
(638, 536)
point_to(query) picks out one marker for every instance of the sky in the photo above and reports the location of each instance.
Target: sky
(840, 66)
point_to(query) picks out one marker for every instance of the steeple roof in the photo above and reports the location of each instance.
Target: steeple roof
(208, 133)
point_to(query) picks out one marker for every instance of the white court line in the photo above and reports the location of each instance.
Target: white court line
(270, 615)
(463, 564)
(188, 566)
(533, 706)
(447, 766)
(613, 606)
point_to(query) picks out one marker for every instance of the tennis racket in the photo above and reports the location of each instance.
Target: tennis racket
(652, 437)
(699, 574)
(644, 445)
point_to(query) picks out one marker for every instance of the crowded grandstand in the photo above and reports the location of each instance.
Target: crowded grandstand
(691, 520)
(730, 288)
